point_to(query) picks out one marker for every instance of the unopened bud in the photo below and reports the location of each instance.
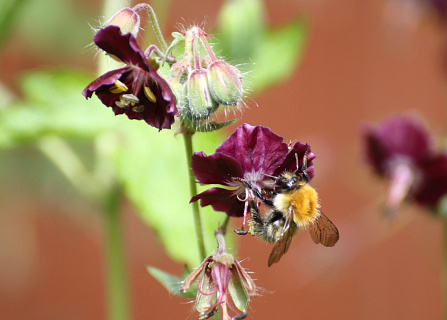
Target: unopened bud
(128, 21)
(224, 83)
(200, 101)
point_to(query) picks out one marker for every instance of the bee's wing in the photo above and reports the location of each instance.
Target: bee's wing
(324, 231)
(282, 244)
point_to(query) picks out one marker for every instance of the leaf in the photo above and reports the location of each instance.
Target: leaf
(241, 28)
(172, 283)
(151, 165)
(52, 104)
(265, 56)
(278, 55)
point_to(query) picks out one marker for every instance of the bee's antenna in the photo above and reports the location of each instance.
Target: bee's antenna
(297, 162)
(304, 165)
(267, 175)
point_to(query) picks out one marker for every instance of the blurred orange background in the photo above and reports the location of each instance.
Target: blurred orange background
(359, 66)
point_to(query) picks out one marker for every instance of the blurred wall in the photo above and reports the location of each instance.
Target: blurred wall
(358, 67)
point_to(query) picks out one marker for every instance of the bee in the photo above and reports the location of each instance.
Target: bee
(294, 205)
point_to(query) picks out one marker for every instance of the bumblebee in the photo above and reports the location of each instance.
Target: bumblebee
(294, 205)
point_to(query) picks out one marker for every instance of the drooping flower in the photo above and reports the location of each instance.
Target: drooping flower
(400, 149)
(223, 280)
(249, 154)
(136, 89)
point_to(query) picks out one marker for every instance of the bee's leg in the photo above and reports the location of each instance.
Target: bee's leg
(256, 224)
(241, 231)
(257, 193)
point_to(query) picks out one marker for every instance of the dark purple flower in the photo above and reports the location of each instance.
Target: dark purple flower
(400, 149)
(135, 89)
(222, 278)
(249, 153)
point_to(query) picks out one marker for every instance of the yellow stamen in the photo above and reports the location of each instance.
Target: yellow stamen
(118, 87)
(130, 98)
(121, 105)
(150, 95)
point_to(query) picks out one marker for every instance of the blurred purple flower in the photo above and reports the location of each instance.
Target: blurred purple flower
(248, 154)
(400, 149)
(135, 89)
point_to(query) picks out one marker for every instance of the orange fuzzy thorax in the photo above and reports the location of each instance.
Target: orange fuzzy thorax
(302, 202)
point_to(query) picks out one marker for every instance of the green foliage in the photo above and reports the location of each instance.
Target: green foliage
(150, 165)
(172, 283)
(269, 55)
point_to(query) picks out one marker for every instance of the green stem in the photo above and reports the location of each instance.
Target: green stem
(225, 224)
(154, 22)
(117, 285)
(193, 190)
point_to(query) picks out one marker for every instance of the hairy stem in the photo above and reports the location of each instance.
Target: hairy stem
(155, 24)
(193, 190)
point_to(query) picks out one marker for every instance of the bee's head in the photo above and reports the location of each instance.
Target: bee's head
(288, 181)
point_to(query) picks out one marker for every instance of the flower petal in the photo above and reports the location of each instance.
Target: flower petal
(221, 200)
(433, 185)
(258, 149)
(125, 47)
(107, 79)
(289, 163)
(217, 168)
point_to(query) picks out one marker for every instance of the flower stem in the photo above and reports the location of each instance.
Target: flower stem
(193, 190)
(117, 285)
(154, 22)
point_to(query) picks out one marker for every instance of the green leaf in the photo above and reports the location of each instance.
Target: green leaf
(172, 283)
(279, 54)
(52, 104)
(213, 126)
(151, 165)
(241, 28)
(266, 56)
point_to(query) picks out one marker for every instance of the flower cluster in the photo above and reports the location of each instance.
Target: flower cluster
(201, 81)
(400, 149)
(222, 277)
(249, 154)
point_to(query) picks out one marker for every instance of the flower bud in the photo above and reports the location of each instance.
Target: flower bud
(128, 21)
(224, 83)
(200, 101)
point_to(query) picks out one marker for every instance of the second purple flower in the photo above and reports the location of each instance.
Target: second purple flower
(250, 153)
